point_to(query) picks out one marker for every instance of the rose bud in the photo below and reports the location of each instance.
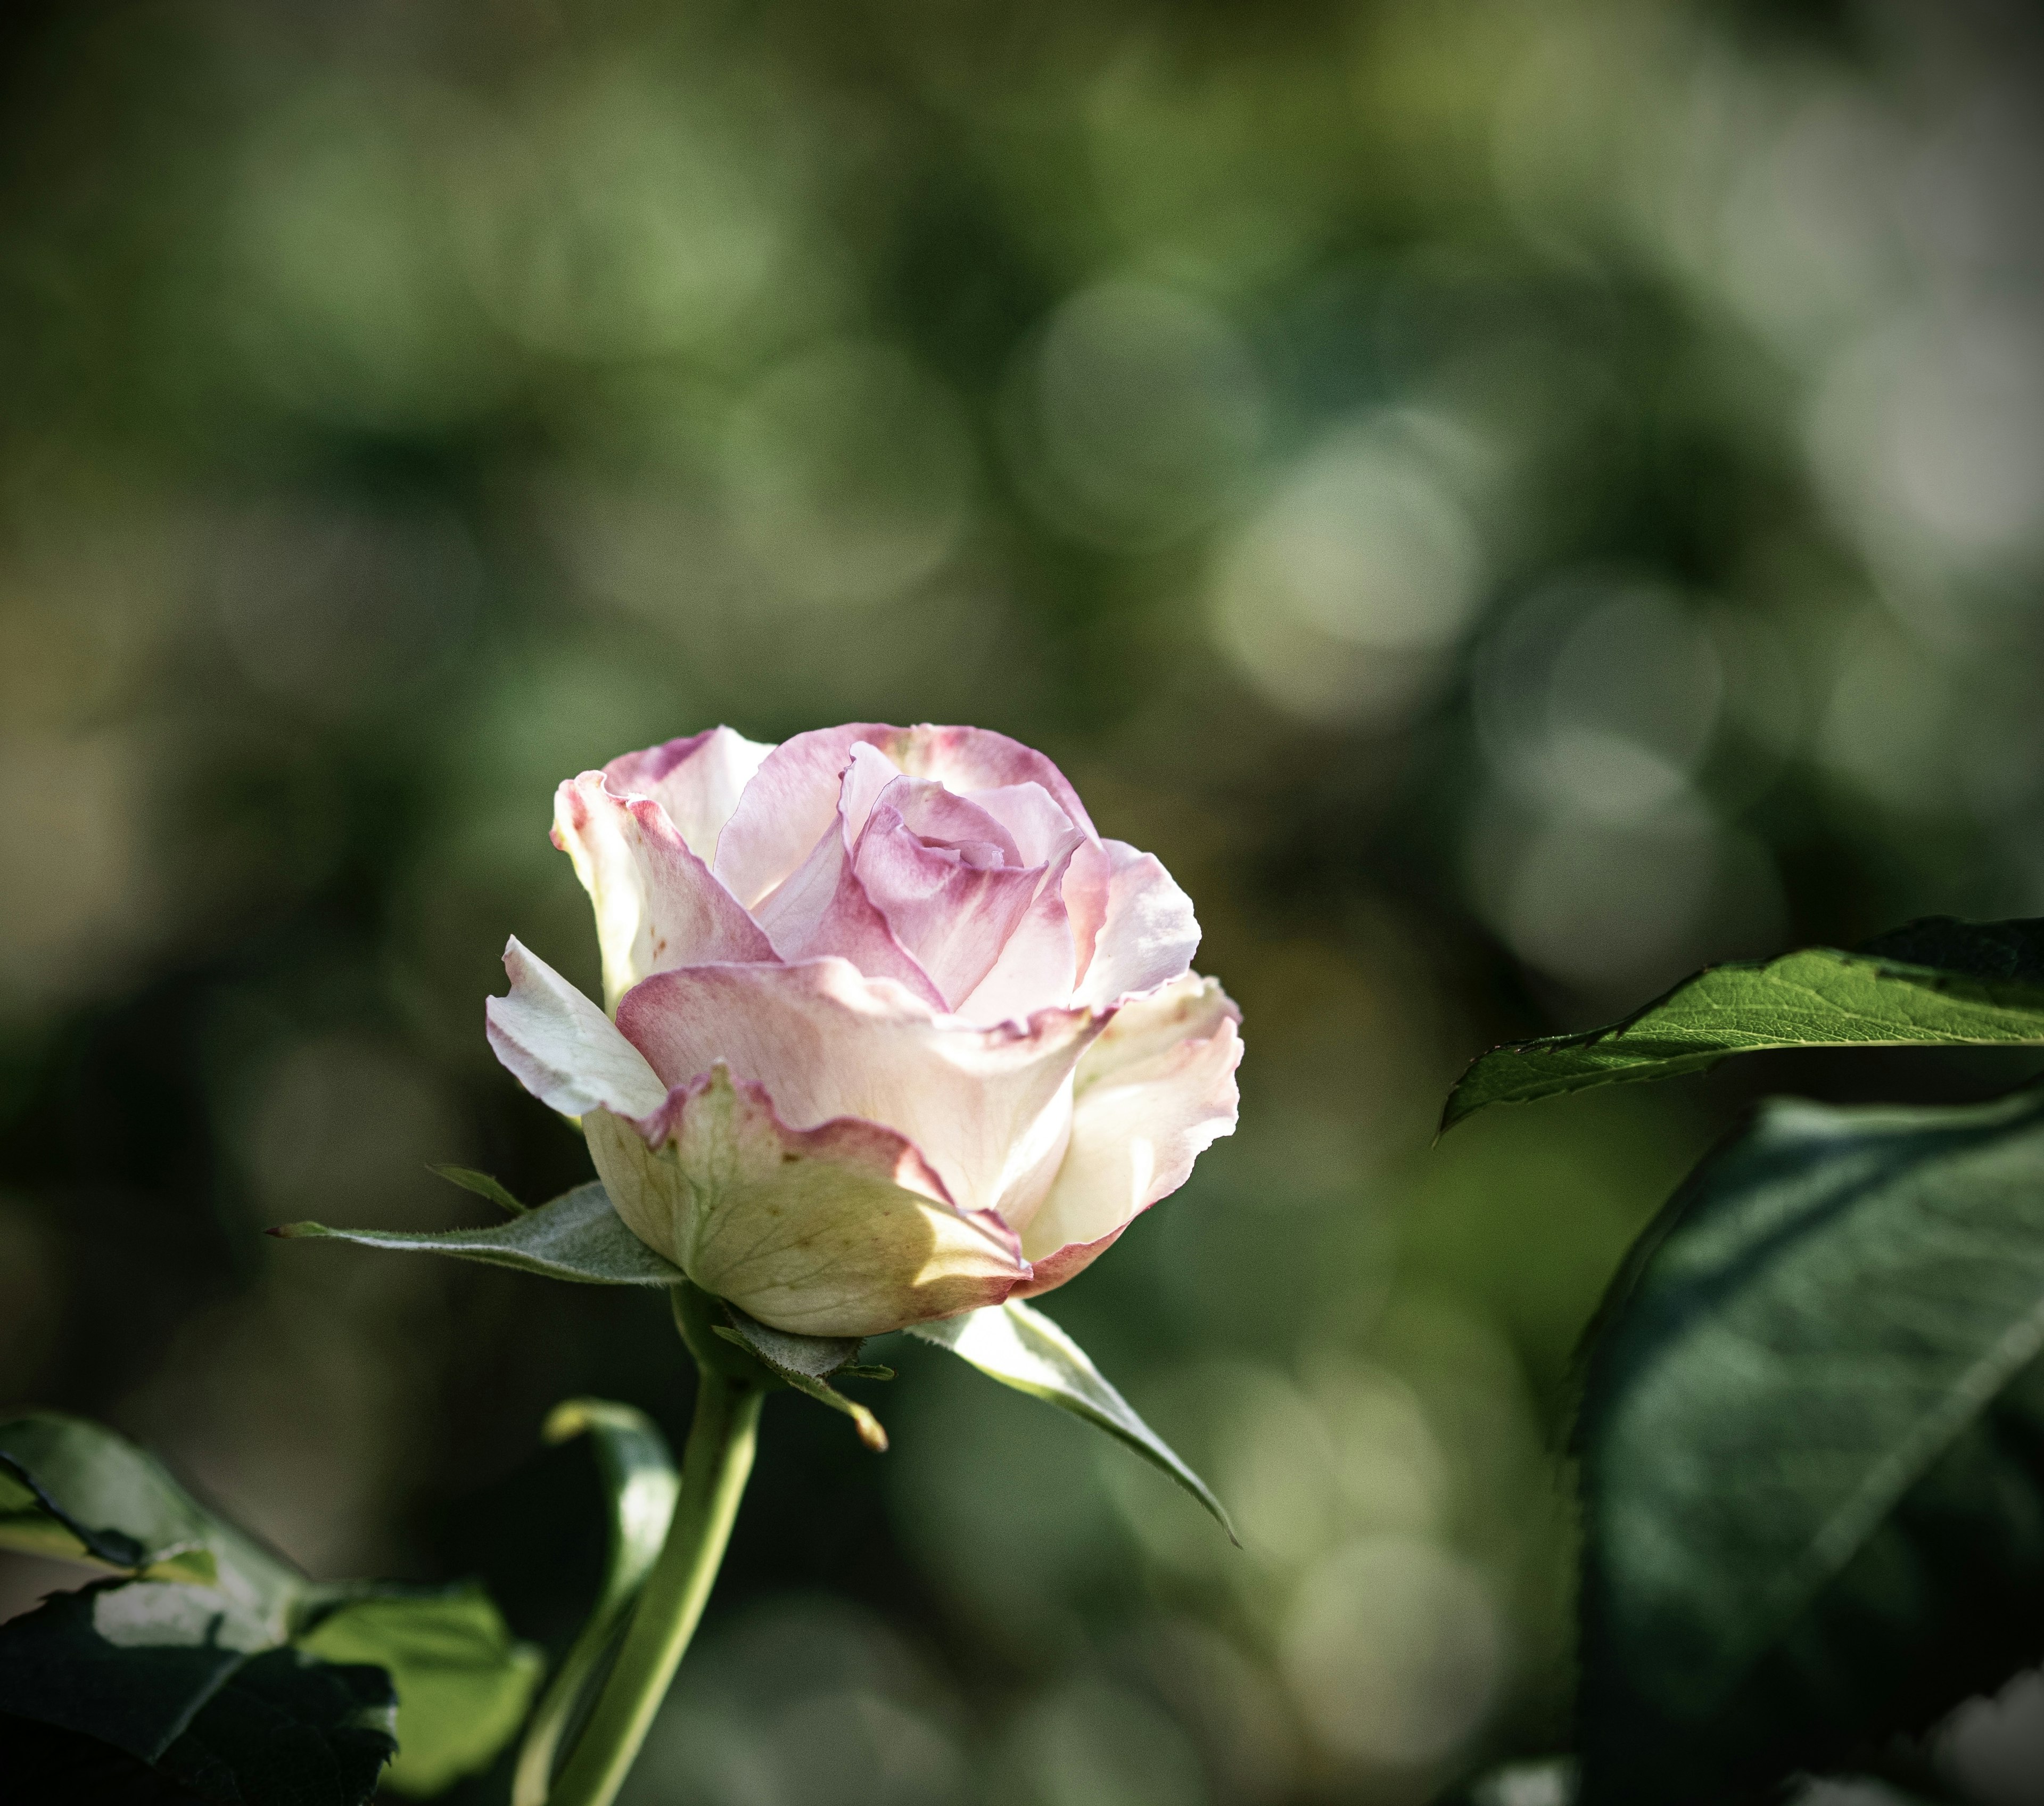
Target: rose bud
(897, 1034)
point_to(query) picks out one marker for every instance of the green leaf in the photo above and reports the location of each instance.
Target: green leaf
(1935, 983)
(640, 1483)
(806, 1363)
(1812, 1441)
(1023, 1349)
(481, 1185)
(74, 1490)
(463, 1682)
(141, 1666)
(129, 1663)
(287, 1731)
(577, 1237)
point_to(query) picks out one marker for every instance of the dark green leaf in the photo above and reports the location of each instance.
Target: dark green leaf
(481, 1185)
(1023, 1349)
(129, 1663)
(1813, 1442)
(577, 1237)
(1984, 988)
(286, 1730)
(640, 1483)
(806, 1363)
(463, 1682)
(74, 1489)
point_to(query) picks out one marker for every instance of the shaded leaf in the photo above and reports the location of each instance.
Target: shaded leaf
(481, 1185)
(640, 1483)
(806, 1363)
(1813, 1442)
(146, 1666)
(1023, 1349)
(576, 1237)
(1936, 982)
(464, 1682)
(130, 1664)
(74, 1489)
(286, 1730)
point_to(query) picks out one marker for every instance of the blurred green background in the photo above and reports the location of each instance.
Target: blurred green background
(1509, 501)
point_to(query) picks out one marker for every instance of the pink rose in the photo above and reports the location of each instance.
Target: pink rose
(897, 1034)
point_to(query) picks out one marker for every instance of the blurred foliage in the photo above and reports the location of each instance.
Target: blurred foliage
(1509, 501)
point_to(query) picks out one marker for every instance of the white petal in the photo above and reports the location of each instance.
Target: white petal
(657, 904)
(697, 780)
(562, 1048)
(1149, 935)
(1152, 1094)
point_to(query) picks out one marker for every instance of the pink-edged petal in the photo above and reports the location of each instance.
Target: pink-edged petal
(1037, 965)
(952, 914)
(788, 806)
(824, 910)
(657, 904)
(983, 1105)
(562, 1048)
(968, 759)
(697, 780)
(1153, 1092)
(796, 792)
(1148, 933)
(1031, 816)
(841, 1230)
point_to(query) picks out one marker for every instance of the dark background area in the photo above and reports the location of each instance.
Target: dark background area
(1509, 501)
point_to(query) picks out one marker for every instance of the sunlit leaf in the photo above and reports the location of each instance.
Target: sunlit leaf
(74, 1489)
(1812, 1444)
(576, 1237)
(640, 1483)
(806, 1363)
(1023, 1349)
(464, 1682)
(1937, 983)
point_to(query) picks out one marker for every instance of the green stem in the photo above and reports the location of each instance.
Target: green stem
(715, 1466)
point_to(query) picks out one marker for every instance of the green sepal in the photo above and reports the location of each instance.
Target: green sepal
(481, 1185)
(1023, 1349)
(577, 1237)
(1935, 983)
(807, 1363)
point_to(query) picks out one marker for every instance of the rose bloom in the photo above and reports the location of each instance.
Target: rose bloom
(892, 1033)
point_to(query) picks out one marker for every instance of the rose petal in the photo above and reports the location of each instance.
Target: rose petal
(824, 909)
(1036, 967)
(954, 917)
(791, 801)
(966, 760)
(1148, 934)
(1152, 1093)
(841, 1230)
(697, 780)
(657, 904)
(562, 1048)
(1031, 816)
(982, 1104)
(795, 795)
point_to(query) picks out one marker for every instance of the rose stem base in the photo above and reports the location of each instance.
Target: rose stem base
(716, 1464)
